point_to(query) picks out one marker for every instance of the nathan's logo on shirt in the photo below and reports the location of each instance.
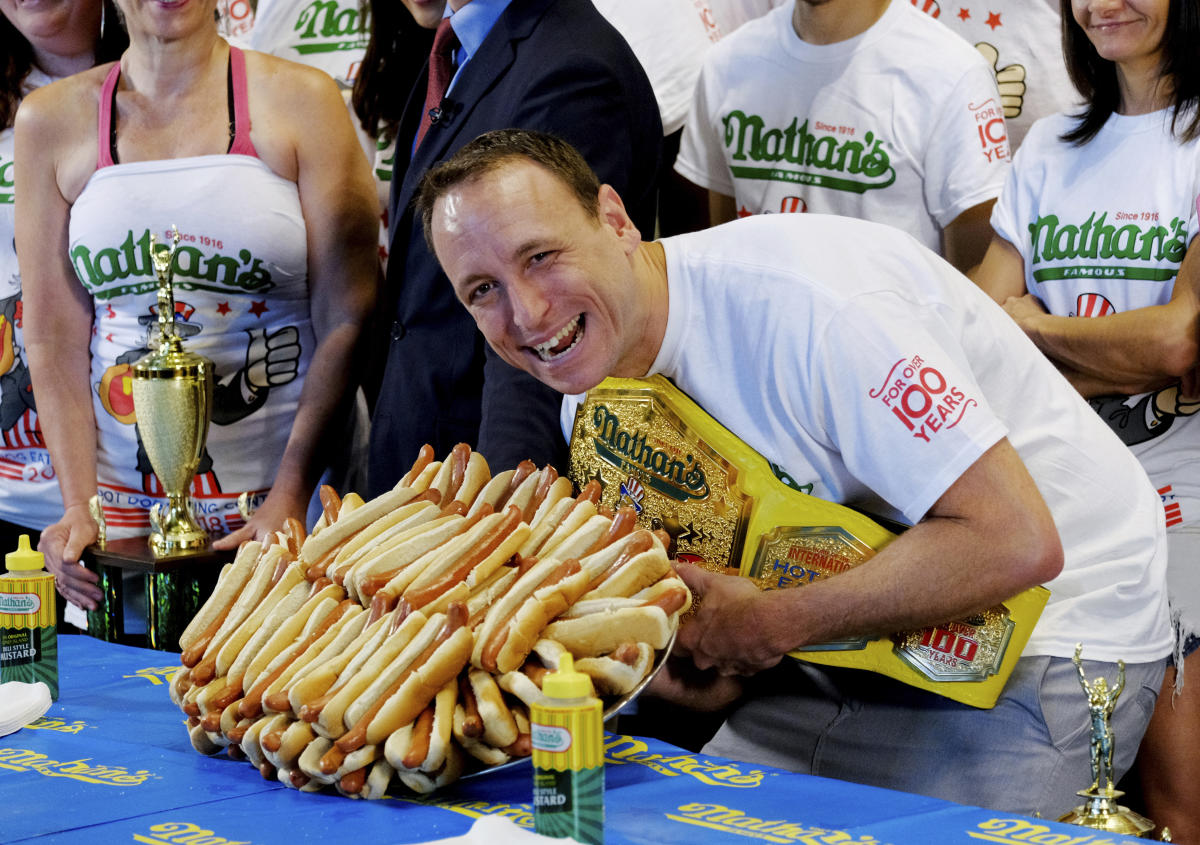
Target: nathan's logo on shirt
(6, 181)
(325, 19)
(676, 479)
(842, 164)
(1123, 239)
(922, 398)
(102, 271)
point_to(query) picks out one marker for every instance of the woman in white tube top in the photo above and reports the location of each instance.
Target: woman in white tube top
(254, 160)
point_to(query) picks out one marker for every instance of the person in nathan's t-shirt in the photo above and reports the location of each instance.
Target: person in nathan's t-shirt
(1098, 221)
(864, 108)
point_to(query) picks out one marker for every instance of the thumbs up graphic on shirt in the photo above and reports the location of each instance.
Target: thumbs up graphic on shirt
(272, 360)
(1010, 80)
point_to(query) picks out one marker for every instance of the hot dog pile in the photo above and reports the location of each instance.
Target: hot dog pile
(405, 637)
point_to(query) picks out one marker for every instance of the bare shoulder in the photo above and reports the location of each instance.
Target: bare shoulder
(291, 105)
(289, 86)
(65, 103)
(59, 121)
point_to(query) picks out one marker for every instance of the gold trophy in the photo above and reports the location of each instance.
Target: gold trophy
(1100, 809)
(172, 399)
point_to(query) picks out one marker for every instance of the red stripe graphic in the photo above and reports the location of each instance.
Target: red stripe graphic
(25, 433)
(1093, 305)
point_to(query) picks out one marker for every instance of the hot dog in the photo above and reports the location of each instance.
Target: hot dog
(494, 492)
(293, 638)
(333, 641)
(247, 642)
(249, 611)
(379, 565)
(461, 476)
(321, 543)
(359, 677)
(513, 623)
(230, 583)
(494, 540)
(424, 744)
(260, 581)
(619, 672)
(283, 744)
(350, 698)
(601, 632)
(523, 685)
(378, 534)
(406, 686)
(378, 777)
(640, 562)
(499, 727)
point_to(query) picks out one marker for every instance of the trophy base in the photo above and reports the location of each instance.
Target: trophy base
(175, 589)
(1100, 811)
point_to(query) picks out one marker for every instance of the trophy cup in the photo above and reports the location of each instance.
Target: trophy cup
(1100, 809)
(172, 398)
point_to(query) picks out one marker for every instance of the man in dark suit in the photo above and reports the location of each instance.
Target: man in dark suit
(552, 65)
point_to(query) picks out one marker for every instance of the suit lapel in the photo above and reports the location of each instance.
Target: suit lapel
(487, 67)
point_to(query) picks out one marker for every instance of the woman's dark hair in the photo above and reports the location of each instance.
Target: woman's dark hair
(396, 52)
(1096, 78)
(16, 58)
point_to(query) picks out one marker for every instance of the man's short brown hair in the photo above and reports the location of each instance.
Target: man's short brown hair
(492, 150)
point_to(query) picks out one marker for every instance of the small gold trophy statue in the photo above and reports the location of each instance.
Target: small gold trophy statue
(1100, 809)
(172, 398)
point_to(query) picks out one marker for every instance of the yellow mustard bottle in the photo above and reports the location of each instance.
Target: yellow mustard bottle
(28, 632)
(567, 734)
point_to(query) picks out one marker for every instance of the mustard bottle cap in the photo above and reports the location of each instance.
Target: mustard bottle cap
(24, 559)
(565, 682)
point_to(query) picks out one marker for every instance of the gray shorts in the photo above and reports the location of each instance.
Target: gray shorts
(1183, 587)
(1029, 754)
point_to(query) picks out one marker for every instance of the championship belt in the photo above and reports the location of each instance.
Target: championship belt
(725, 505)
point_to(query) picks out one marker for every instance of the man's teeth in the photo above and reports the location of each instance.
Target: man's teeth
(545, 350)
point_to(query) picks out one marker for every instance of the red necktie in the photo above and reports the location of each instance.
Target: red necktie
(441, 70)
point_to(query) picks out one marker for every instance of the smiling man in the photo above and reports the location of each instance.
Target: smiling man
(826, 344)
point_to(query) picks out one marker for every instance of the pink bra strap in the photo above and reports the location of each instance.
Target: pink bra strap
(104, 154)
(242, 145)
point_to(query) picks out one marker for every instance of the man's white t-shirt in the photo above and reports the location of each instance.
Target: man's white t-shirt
(1022, 40)
(901, 124)
(867, 366)
(728, 15)
(670, 38)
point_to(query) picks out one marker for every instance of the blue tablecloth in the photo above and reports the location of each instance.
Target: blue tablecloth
(111, 762)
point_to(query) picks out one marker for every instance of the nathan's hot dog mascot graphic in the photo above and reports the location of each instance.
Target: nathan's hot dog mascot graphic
(271, 360)
(19, 426)
(1137, 419)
